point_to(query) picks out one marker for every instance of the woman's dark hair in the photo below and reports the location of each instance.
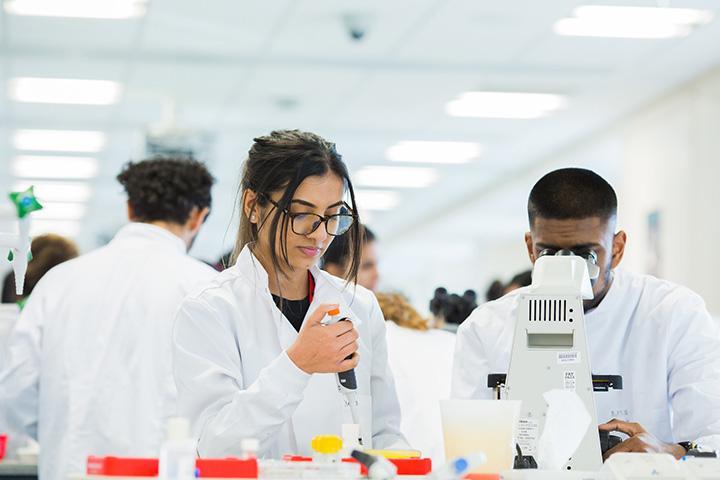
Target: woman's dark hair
(522, 279)
(338, 253)
(166, 188)
(498, 289)
(453, 308)
(280, 162)
(495, 291)
(48, 251)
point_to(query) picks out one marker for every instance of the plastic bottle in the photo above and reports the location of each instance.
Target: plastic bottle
(327, 448)
(350, 438)
(249, 448)
(178, 453)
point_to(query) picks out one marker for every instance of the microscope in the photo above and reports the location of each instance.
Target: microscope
(19, 244)
(550, 352)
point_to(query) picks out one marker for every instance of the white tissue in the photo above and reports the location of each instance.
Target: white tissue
(566, 423)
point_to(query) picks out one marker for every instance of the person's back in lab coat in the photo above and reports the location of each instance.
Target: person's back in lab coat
(420, 358)
(90, 367)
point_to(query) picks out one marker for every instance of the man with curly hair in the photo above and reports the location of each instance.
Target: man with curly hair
(90, 364)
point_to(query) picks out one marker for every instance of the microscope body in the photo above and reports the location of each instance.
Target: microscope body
(550, 352)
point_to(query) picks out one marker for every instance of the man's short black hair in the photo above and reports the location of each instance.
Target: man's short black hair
(166, 188)
(571, 193)
(338, 253)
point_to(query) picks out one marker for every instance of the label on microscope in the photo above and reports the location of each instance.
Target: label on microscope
(568, 357)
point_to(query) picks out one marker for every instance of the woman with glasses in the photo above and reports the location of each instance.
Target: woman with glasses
(253, 356)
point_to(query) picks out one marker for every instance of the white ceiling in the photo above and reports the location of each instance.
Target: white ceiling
(232, 68)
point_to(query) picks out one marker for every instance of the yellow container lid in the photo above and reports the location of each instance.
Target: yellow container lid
(326, 444)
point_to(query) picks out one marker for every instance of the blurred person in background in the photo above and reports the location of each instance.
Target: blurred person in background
(336, 260)
(420, 358)
(449, 310)
(497, 289)
(48, 251)
(90, 360)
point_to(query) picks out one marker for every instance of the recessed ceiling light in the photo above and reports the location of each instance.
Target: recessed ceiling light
(433, 152)
(56, 191)
(27, 166)
(514, 105)
(376, 199)
(100, 9)
(61, 211)
(59, 140)
(631, 22)
(402, 177)
(64, 90)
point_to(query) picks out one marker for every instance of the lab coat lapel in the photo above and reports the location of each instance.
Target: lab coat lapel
(251, 268)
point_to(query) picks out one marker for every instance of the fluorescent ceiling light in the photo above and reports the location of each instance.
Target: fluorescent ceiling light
(61, 211)
(102, 9)
(56, 191)
(59, 140)
(433, 152)
(376, 199)
(679, 16)
(632, 22)
(66, 228)
(27, 166)
(402, 177)
(516, 105)
(64, 90)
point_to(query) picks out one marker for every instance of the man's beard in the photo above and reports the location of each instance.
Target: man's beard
(608, 277)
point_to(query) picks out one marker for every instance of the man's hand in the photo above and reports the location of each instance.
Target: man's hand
(640, 440)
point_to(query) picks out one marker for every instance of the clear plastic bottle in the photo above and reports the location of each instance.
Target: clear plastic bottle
(249, 448)
(350, 439)
(178, 453)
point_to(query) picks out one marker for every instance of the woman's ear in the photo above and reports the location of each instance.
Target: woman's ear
(250, 205)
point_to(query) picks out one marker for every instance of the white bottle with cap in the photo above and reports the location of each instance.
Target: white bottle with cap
(249, 448)
(178, 453)
(350, 438)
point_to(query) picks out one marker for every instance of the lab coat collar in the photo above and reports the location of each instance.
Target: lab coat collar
(608, 303)
(329, 290)
(325, 289)
(151, 232)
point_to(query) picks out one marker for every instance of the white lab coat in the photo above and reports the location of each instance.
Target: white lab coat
(421, 362)
(659, 336)
(9, 313)
(235, 379)
(90, 357)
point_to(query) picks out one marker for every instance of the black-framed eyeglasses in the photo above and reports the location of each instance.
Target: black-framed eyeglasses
(307, 223)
